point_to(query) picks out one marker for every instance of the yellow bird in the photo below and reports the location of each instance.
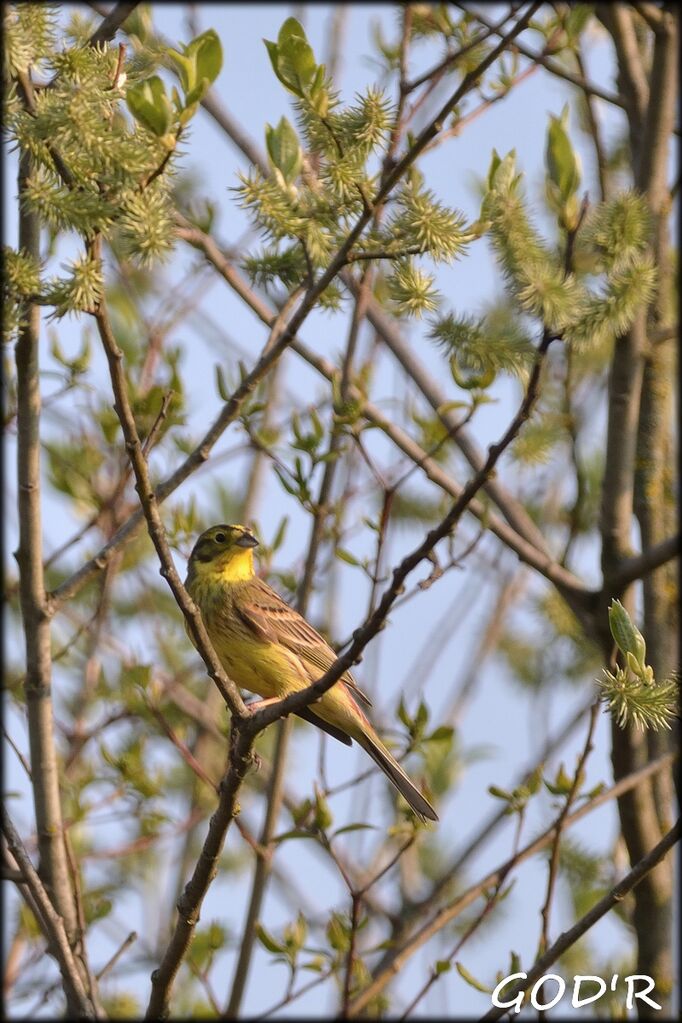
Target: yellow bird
(268, 648)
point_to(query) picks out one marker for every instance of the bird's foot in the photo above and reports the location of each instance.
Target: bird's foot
(260, 704)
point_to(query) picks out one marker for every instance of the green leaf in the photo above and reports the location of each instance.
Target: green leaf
(495, 162)
(138, 675)
(295, 934)
(562, 783)
(442, 733)
(273, 53)
(206, 942)
(403, 715)
(421, 718)
(323, 817)
(281, 533)
(194, 97)
(186, 67)
(534, 781)
(292, 58)
(267, 940)
(502, 176)
(576, 20)
(354, 827)
(284, 149)
(344, 555)
(470, 980)
(148, 103)
(316, 965)
(626, 636)
(442, 966)
(294, 833)
(471, 380)
(563, 164)
(298, 59)
(338, 933)
(291, 29)
(221, 383)
(209, 55)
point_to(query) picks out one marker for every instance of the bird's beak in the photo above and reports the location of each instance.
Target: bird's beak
(246, 540)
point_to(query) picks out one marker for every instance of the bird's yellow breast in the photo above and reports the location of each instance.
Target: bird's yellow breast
(265, 668)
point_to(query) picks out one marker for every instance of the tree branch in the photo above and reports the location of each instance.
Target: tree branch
(38, 680)
(577, 596)
(261, 871)
(443, 916)
(560, 825)
(195, 625)
(111, 23)
(643, 813)
(600, 909)
(632, 569)
(189, 904)
(553, 66)
(231, 408)
(51, 923)
(617, 19)
(296, 701)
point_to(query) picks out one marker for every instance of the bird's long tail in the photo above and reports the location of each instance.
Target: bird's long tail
(392, 769)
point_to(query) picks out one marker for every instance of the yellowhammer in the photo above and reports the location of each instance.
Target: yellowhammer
(268, 648)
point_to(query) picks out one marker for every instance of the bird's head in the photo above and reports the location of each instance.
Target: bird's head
(227, 550)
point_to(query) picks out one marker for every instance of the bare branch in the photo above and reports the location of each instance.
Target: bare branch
(632, 77)
(554, 66)
(362, 636)
(189, 904)
(50, 923)
(553, 870)
(579, 598)
(111, 24)
(401, 953)
(261, 871)
(651, 14)
(600, 909)
(632, 569)
(37, 685)
(123, 947)
(150, 509)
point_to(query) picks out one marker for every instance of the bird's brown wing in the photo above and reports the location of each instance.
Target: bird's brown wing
(272, 620)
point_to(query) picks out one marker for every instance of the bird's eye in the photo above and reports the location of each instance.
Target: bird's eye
(220, 538)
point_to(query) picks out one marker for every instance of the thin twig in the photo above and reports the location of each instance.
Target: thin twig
(577, 596)
(631, 569)
(50, 923)
(261, 871)
(600, 909)
(189, 904)
(553, 871)
(150, 509)
(80, 948)
(108, 28)
(553, 66)
(362, 636)
(403, 951)
(110, 963)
